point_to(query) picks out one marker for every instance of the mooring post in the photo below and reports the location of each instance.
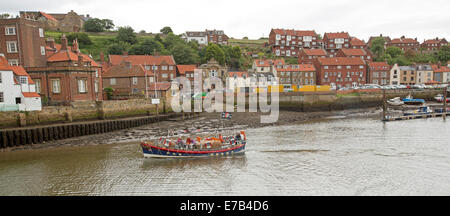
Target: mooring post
(384, 104)
(444, 113)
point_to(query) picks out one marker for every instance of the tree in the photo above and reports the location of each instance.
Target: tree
(377, 48)
(83, 38)
(184, 54)
(245, 38)
(93, 25)
(171, 40)
(166, 30)
(394, 51)
(214, 51)
(118, 48)
(147, 47)
(107, 24)
(126, 34)
(4, 16)
(443, 54)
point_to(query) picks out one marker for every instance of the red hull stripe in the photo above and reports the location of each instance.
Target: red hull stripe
(194, 152)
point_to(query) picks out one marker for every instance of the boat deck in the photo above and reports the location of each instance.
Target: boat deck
(432, 115)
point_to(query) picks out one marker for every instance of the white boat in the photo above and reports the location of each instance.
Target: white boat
(395, 101)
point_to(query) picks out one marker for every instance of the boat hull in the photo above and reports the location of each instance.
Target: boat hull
(157, 152)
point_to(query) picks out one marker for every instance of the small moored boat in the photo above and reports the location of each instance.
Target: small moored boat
(409, 100)
(198, 147)
(440, 98)
(395, 101)
(421, 111)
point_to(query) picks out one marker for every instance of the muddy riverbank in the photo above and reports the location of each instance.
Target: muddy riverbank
(205, 122)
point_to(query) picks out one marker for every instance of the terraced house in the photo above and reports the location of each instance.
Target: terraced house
(307, 56)
(355, 53)
(340, 71)
(296, 75)
(407, 75)
(335, 41)
(433, 44)
(405, 43)
(424, 74)
(127, 79)
(290, 42)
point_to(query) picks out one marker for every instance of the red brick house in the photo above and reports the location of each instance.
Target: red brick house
(186, 71)
(307, 56)
(355, 53)
(340, 71)
(289, 42)
(433, 44)
(405, 43)
(164, 66)
(22, 42)
(217, 37)
(378, 73)
(301, 74)
(127, 79)
(335, 41)
(68, 76)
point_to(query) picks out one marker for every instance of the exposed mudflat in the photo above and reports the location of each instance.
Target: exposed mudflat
(206, 122)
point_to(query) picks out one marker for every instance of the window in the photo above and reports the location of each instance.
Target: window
(348, 67)
(82, 85)
(41, 32)
(170, 67)
(325, 67)
(163, 67)
(96, 86)
(155, 67)
(164, 75)
(151, 79)
(171, 76)
(11, 46)
(135, 80)
(10, 30)
(1, 97)
(23, 80)
(18, 100)
(13, 62)
(96, 72)
(43, 50)
(38, 85)
(112, 81)
(0, 77)
(56, 83)
(147, 67)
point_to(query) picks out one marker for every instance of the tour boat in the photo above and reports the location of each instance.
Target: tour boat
(195, 147)
(411, 101)
(421, 111)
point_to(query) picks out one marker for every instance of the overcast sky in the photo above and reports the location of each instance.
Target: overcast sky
(239, 18)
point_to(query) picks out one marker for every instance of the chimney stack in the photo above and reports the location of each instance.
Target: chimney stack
(75, 46)
(51, 42)
(63, 42)
(80, 59)
(102, 57)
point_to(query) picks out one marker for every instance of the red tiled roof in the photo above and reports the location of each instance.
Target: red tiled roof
(64, 55)
(336, 35)
(17, 70)
(315, 52)
(301, 67)
(182, 69)
(403, 40)
(265, 63)
(442, 69)
(341, 61)
(295, 32)
(141, 59)
(354, 52)
(357, 42)
(30, 94)
(50, 17)
(122, 70)
(379, 65)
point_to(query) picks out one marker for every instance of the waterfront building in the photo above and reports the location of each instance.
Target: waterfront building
(395, 75)
(297, 75)
(378, 73)
(69, 75)
(17, 89)
(407, 75)
(22, 42)
(340, 72)
(424, 73)
(213, 69)
(267, 65)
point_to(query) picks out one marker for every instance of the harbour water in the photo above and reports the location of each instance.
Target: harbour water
(360, 156)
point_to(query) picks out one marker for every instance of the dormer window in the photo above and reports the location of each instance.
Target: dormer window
(23, 80)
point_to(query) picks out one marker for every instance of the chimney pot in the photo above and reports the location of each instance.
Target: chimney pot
(63, 42)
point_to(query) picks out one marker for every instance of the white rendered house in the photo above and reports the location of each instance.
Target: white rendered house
(17, 90)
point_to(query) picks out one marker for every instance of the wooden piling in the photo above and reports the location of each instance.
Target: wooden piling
(444, 114)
